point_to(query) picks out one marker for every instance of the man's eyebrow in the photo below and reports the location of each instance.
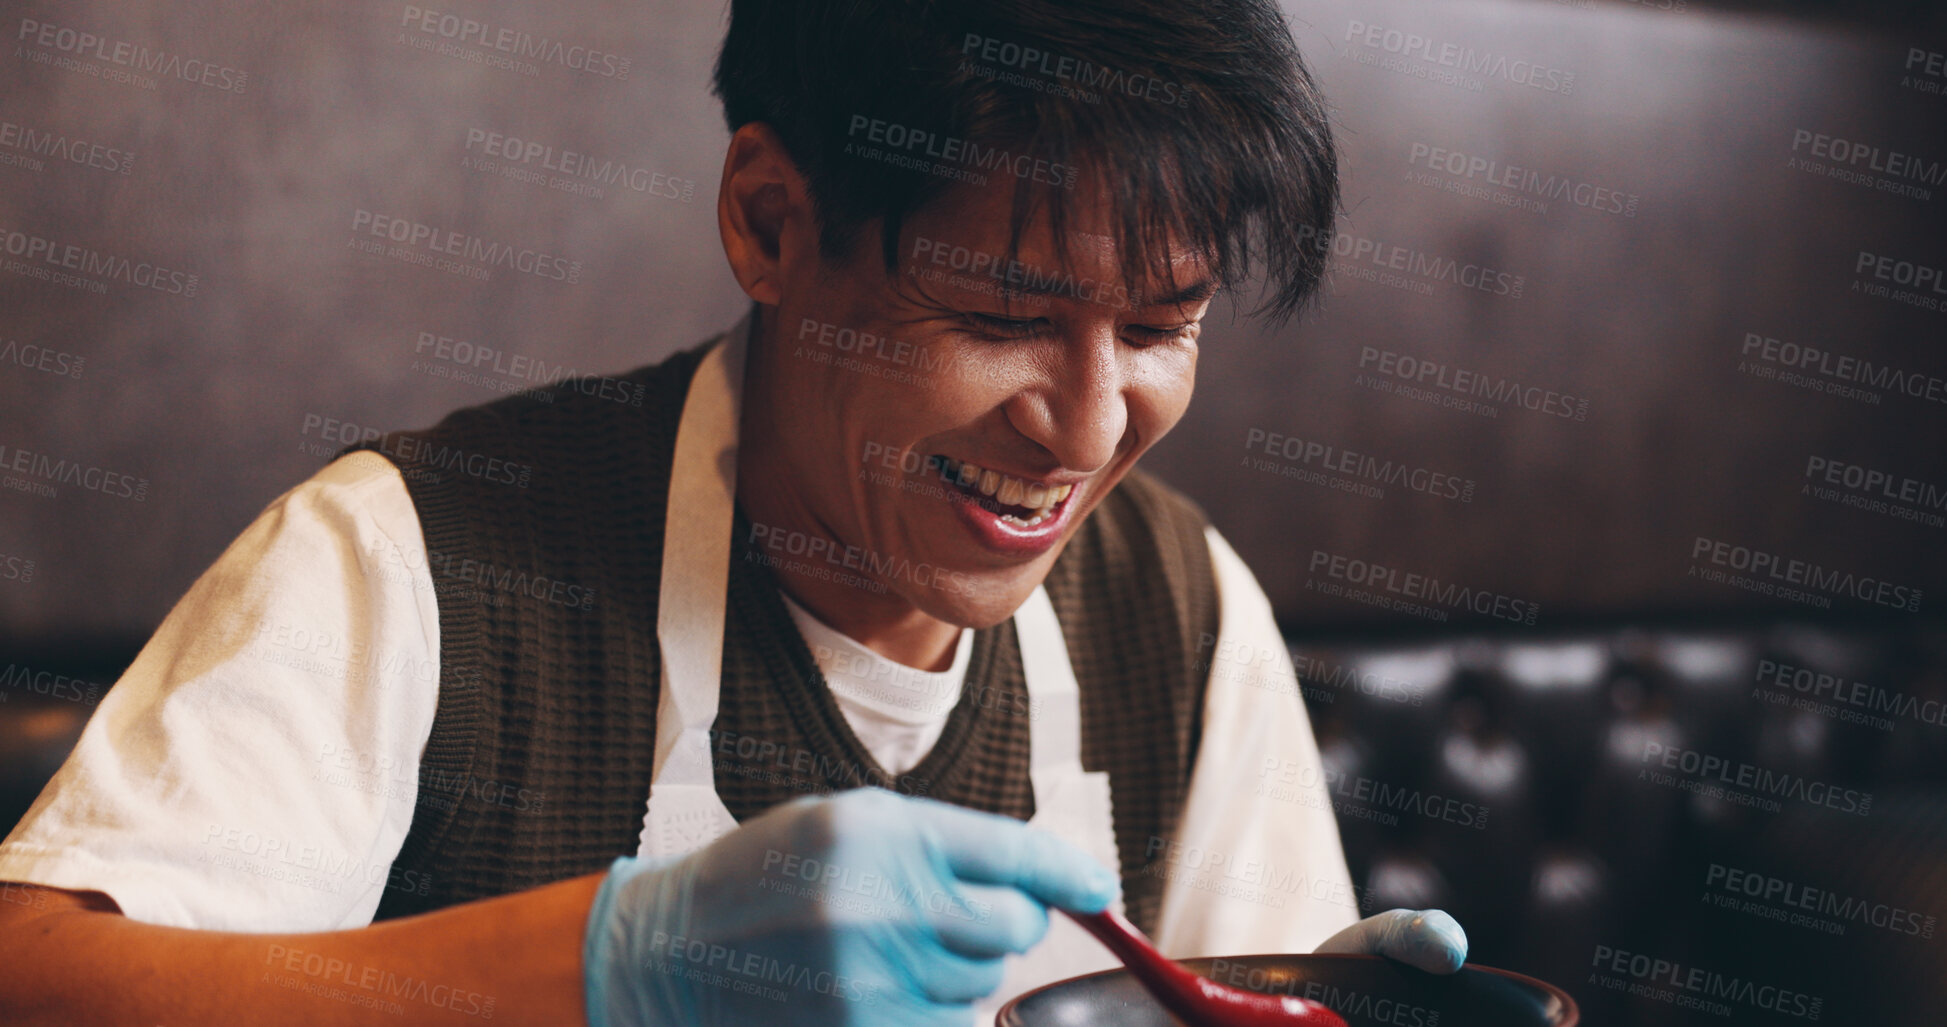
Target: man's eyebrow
(1195, 292)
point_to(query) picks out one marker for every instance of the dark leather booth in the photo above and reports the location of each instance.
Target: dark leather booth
(1551, 792)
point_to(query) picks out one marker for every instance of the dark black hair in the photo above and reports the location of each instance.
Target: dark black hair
(1199, 113)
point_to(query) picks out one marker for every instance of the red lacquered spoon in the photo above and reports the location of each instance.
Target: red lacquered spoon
(1199, 1001)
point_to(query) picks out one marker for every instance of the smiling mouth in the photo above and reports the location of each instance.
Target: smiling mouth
(1023, 504)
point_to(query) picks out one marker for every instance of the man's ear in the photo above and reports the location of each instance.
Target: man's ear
(763, 210)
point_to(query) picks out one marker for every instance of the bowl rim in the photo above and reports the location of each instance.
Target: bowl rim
(1573, 1012)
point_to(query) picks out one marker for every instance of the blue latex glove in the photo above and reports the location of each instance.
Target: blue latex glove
(1426, 938)
(864, 908)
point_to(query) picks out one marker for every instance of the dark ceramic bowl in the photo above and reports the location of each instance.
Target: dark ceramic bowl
(1367, 991)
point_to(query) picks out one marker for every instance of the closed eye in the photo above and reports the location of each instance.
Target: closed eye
(1151, 335)
(1016, 328)
(1006, 327)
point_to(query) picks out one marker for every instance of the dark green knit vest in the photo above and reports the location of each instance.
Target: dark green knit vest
(543, 523)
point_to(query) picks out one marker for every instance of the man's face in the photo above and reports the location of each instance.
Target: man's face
(955, 429)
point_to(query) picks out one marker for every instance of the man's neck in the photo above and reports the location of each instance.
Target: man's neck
(915, 640)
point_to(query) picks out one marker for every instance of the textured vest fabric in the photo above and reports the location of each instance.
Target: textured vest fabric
(543, 523)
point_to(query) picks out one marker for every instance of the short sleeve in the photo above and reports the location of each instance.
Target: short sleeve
(255, 769)
(1256, 865)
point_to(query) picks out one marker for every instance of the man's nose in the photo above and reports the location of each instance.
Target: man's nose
(1077, 411)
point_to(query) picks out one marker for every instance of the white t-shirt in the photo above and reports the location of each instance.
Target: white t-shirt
(256, 767)
(897, 711)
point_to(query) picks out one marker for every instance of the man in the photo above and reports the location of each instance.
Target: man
(388, 759)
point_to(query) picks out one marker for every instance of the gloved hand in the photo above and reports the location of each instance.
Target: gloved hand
(1426, 938)
(864, 908)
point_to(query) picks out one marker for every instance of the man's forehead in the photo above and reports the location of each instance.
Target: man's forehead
(979, 234)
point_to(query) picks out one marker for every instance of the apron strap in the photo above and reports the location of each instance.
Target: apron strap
(696, 554)
(1055, 720)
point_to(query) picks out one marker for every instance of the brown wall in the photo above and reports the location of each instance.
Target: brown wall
(1645, 317)
(206, 397)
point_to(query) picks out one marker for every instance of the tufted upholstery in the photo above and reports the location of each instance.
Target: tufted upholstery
(1511, 781)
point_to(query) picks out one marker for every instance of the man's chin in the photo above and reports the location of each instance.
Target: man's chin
(977, 601)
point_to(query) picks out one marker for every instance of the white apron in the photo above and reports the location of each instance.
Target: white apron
(685, 812)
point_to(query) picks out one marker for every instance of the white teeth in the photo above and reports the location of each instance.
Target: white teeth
(1039, 499)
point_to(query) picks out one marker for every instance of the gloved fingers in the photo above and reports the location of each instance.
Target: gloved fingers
(991, 921)
(1429, 939)
(987, 848)
(950, 979)
(610, 991)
